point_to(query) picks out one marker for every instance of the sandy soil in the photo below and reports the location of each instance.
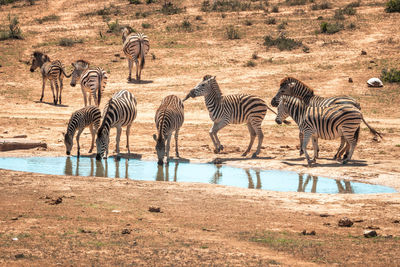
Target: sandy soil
(200, 224)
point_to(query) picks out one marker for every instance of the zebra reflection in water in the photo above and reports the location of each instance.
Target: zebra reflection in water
(251, 184)
(163, 172)
(346, 189)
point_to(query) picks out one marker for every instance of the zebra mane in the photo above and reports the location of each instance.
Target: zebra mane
(82, 62)
(40, 56)
(214, 85)
(288, 79)
(106, 108)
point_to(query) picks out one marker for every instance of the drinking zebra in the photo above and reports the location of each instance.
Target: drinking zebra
(327, 123)
(135, 46)
(52, 71)
(293, 87)
(235, 109)
(169, 118)
(120, 111)
(93, 81)
(80, 119)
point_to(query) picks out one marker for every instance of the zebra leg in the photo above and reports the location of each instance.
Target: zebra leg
(137, 69)
(130, 63)
(61, 88)
(176, 143)
(128, 129)
(92, 131)
(252, 137)
(341, 148)
(57, 89)
(168, 146)
(353, 142)
(90, 99)
(301, 142)
(84, 96)
(260, 139)
(119, 130)
(77, 140)
(43, 86)
(306, 139)
(52, 90)
(315, 146)
(213, 133)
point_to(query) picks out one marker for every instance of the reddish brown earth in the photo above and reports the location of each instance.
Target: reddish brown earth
(200, 224)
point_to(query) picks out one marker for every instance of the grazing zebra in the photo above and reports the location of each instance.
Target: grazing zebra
(120, 111)
(235, 109)
(52, 71)
(327, 123)
(293, 87)
(135, 46)
(93, 81)
(80, 119)
(169, 118)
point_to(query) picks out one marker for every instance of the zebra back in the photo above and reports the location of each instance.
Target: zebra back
(169, 116)
(94, 79)
(136, 43)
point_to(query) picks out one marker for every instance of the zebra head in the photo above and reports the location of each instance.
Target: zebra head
(283, 110)
(38, 60)
(102, 141)
(125, 32)
(286, 88)
(68, 141)
(79, 67)
(203, 88)
(160, 148)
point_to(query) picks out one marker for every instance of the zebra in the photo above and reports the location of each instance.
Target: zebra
(80, 119)
(294, 87)
(231, 109)
(135, 46)
(93, 81)
(120, 111)
(327, 123)
(51, 70)
(169, 118)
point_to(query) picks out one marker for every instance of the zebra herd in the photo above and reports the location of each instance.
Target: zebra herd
(316, 117)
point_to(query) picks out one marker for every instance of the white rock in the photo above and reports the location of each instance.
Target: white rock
(374, 82)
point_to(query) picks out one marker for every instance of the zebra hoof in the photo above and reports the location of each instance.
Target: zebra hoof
(345, 161)
(244, 154)
(310, 163)
(301, 152)
(216, 151)
(254, 156)
(221, 147)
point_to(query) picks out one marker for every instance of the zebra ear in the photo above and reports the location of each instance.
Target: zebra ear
(155, 137)
(63, 134)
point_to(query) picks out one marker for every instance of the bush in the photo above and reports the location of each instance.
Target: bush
(255, 55)
(105, 11)
(282, 26)
(392, 76)
(248, 22)
(48, 18)
(232, 33)
(135, 2)
(392, 6)
(168, 8)
(354, 4)
(282, 42)
(250, 63)
(275, 9)
(14, 31)
(69, 41)
(150, 2)
(114, 27)
(198, 17)
(5, 2)
(271, 21)
(186, 25)
(321, 6)
(331, 28)
(146, 25)
(225, 6)
(296, 2)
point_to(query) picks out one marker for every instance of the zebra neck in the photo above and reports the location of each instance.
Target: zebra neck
(214, 97)
(296, 111)
(72, 127)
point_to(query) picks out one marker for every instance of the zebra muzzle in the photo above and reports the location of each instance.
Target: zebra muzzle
(98, 157)
(278, 121)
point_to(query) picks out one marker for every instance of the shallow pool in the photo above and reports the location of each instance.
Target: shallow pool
(275, 180)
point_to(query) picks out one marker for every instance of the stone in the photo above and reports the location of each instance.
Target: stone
(370, 233)
(350, 80)
(345, 222)
(17, 143)
(363, 52)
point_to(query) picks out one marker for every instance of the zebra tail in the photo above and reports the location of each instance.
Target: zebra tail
(372, 130)
(65, 74)
(142, 59)
(100, 77)
(285, 121)
(357, 134)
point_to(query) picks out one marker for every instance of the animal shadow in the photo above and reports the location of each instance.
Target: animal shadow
(140, 82)
(222, 160)
(51, 104)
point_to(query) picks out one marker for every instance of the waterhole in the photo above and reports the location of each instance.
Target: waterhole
(275, 180)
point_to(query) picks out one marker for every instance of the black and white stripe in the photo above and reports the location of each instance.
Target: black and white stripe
(135, 46)
(322, 122)
(92, 80)
(120, 111)
(52, 71)
(86, 117)
(231, 109)
(169, 118)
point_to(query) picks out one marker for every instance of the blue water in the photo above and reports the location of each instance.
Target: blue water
(283, 181)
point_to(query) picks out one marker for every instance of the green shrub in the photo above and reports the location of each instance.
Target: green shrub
(392, 6)
(349, 10)
(255, 55)
(296, 2)
(151, 2)
(392, 76)
(232, 33)
(225, 6)
(321, 6)
(186, 25)
(135, 2)
(48, 18)
(282, 26)
(250, 63)
(14, 31)
(198, 17)
(275, 9)
(282, 42)
(354, 4)
(69, 41)
(248, 22)
(5, 2)
(146, 25)
(168, 8)
(331, 28)
(105, 11)
(271, 21)
(114, 27)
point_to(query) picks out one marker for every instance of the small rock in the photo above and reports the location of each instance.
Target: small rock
(126, 231)
(345, 222)
(134, 244)
(327, 224)
(284, 146)
(388, 236)
(117, 55)
(371, 227)
(370, 233)
(116, 211)
(20, 136)
(208, 230)
(5, 132)
(114, 60)
(55, 201)
(396, 221)
(371, 61)
(85, 231)
(359, 221)
(350, 80)
(15, 239)
(19, 256)
(374, 82)
(14, 218)
(308, 233)
(154, 209)
(324, 215)
(363, 52)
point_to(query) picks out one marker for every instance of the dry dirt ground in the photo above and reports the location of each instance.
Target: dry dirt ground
(199, 224)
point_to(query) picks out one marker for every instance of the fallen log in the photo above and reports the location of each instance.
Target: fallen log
(14, 144)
